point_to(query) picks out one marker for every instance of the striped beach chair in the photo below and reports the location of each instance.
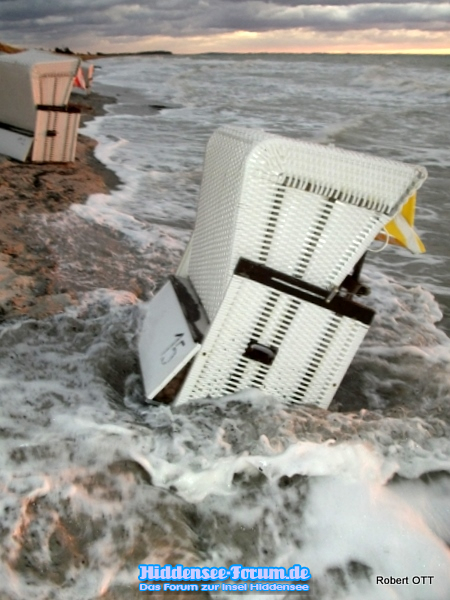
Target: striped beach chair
(36, 121)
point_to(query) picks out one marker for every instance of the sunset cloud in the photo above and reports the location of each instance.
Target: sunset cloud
(107, 25)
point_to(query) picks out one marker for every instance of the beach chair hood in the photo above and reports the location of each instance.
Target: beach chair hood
(30, 79)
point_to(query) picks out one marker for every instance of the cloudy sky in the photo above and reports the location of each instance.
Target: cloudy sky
(189, 26)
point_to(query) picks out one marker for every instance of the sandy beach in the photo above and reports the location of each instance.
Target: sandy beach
(32, 279)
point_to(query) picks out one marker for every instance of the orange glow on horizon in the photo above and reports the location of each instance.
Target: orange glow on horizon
(371, 41)
(289, 41)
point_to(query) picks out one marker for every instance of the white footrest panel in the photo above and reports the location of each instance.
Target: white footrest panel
(173, 328)
(166, 343)
(15, 144)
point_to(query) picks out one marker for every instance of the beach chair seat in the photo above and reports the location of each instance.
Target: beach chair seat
(53, 138)
(55, 134)
(277, 334)
(281, 226)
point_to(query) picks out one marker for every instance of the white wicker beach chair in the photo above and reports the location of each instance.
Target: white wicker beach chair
(35, 121)
(281, 224)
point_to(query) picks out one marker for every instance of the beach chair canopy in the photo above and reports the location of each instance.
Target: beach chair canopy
(305, 209)
(30, 79)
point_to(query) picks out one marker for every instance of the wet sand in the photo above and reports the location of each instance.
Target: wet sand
(36, 276)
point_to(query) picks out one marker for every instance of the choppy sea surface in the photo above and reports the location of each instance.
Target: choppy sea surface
(95, 482)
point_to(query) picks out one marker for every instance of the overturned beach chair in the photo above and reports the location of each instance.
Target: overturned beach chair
(281, 227)
(36, 122)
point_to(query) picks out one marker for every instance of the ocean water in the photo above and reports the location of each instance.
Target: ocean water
(94, 481)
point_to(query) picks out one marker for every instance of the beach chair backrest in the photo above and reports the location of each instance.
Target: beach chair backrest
(303, 208)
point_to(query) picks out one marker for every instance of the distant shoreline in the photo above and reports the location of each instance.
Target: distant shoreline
(5, 48)
(100, 55)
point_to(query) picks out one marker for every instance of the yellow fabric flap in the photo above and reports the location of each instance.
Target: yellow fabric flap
(401, 228)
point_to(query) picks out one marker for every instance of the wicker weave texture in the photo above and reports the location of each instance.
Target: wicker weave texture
(55, 88)
(305, 209)
(60, 147)
(313, 347)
